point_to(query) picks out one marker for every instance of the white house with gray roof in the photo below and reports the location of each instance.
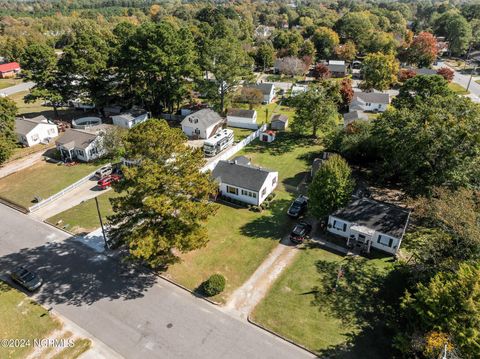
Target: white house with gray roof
(367, 223)
(32, 131)
(353, 116)
(202, 124)
(130, 118)
(370, 101)
(82, 145)
(239, 179)
(267, 90)
(241, 118)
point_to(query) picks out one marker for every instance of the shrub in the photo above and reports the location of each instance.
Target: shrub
(214, 285)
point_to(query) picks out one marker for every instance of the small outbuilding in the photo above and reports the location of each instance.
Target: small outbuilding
(130, 118)
(352, 116)
(279, 122)
(9, 70)
(241, 118)
(267, 136)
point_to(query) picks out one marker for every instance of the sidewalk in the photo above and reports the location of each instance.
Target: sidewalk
(24, 86)
(21, 163)
(70, 199)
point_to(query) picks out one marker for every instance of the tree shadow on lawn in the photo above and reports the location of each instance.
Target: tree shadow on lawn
(73, 274)
(364, 297)
(285, 142)
(272, 224)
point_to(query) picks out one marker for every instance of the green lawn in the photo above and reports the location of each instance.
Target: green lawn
(327, 324)
(270, 109)
(84, 217)
(240, 133)
(4, 83)
(20, 317)
(42, 179)
(284, 78)
(240, 240)
(459, 90)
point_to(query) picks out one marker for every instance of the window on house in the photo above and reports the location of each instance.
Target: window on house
(368, 104)
(232, 190)
(51, 131)
(35, 137)
(341, 226)
(79, 152)
(274, 181)
(264, 192)
(385, 241)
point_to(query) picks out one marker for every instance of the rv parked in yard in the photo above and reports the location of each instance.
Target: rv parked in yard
(223, 139)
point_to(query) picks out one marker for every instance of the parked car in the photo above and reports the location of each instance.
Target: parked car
(107, 181)
(104, 171)
(298, 207)
(300, 232)
(27, 279)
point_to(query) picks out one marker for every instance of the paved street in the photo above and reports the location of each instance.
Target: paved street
(128, 309)
(24, 86)
(463, 80)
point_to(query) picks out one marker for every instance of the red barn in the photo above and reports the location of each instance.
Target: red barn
(10, 69)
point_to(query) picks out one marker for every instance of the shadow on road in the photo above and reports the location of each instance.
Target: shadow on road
(75, 275)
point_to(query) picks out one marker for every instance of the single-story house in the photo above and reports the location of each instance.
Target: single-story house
(82, 145)
(370, 101)
(267, 136)
(279, 122)
(10, 69)
(239, 179)
(32, 131)
(202, 124)
(237, 117)
(368, 223)
(267, 89)
(298, 89)
(130, 118)
(353, 116)
(317, 162)
(337, 68)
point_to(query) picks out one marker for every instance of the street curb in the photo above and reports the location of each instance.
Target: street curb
(61, 229)
(251, 321)
(189, 290)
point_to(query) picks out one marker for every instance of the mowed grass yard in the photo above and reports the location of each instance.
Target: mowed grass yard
(240, 240)
(4, 83)
(459, 90)
(22, 318)
(83, 218)
(292, 309)
(43, 179)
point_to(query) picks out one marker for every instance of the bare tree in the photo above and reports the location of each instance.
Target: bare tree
(291, 66)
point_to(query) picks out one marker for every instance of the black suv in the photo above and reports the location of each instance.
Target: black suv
(27, 279)
(298, 207)
(300, 232)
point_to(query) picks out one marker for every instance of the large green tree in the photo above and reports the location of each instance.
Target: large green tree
(331, 188)
(325, 41)
(435, 143)
(155, 62)
(39, 64)
(456, 29)
(419, 88)
(164, 199)
(449, 304)
(8, 111)
(316, 110)
(379, 71)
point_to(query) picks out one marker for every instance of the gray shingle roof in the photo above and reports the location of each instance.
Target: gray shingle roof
(279, 117)
(76, 139)
(24, 126)
(240, 175)
(203, 118)
(355, 115)
(372, 97)
(382, 217)
(265, 88)
(337, 68)
(240, 112)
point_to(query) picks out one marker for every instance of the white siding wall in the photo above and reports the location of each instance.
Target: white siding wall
(358, 105)
(240, 196)
(204, 133)
(269, 185)
(242, 122)
(41, 132)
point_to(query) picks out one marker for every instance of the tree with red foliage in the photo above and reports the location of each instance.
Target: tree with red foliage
(406, 74)
(423, 50)
(321, 72)
(446, 73)
(346, 91)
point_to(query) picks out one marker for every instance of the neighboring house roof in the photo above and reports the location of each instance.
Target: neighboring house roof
(337, 68)
(265, 88)
(24, 125)
(131, 115)
(73, 138)
(425, 71)
(355, 115)
(203, 118)
(242, 160)
(317, 162)
(240, 175)
(240, 112)
(372, 97)
(11, 66)
(382, 217)
(279, 117)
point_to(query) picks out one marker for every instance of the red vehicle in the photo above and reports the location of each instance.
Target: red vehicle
(107, 181)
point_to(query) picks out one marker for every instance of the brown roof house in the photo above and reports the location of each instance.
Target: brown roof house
(279, 122)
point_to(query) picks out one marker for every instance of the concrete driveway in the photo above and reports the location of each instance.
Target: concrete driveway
(24, 86)
(128, 308)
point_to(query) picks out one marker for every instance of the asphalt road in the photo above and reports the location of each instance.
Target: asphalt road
(128, 309)
(24, 86)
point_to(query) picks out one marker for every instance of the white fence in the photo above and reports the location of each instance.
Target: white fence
(232, 150)
(62, 192)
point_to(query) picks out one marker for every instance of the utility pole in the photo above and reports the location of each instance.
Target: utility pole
(471, 75)
(101, 223)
